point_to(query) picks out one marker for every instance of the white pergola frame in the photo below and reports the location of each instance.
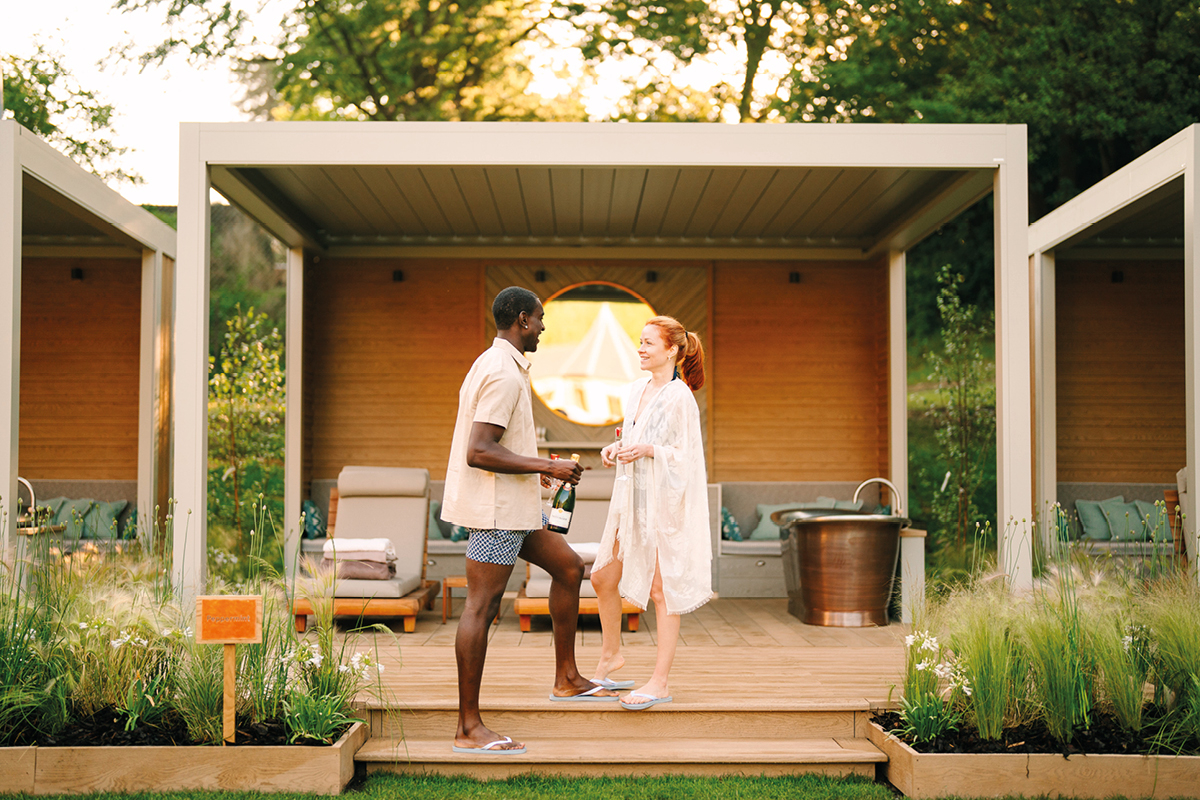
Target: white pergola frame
(62, 182)
(208, 151)
(1176, 157)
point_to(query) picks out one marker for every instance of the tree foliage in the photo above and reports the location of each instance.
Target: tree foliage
(370, 59)
(44, 96)
(245, 421)
(1098, 83)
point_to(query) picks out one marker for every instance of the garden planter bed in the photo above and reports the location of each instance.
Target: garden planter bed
(1032, 774)
(271, 768)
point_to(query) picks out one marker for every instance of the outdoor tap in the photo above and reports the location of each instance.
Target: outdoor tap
(899, 509)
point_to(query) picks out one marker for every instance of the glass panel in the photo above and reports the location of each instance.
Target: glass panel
(587, 357)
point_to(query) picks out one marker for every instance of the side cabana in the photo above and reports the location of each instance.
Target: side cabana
(85, 301)
(1115, 305)
(782, 245)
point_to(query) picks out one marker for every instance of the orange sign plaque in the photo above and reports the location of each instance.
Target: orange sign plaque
(229, 619)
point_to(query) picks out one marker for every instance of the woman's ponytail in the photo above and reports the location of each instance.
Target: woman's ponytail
(690, 359)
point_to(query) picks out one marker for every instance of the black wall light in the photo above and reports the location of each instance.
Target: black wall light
(793, 277)
(1118, 277)
(76, 273)
(540, 276)
(397, 275)
(651, 277)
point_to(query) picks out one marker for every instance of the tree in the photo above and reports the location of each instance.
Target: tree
(42, 94)
(1098, 84)
(371, 59)
(746, 41)
(245, 419)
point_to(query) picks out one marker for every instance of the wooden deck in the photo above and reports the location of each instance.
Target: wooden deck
(755, 692)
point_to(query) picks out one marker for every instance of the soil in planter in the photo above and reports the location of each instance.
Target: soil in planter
(105, 729)
(1106, 737)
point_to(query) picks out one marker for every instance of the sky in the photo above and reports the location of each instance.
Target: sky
(150, 105)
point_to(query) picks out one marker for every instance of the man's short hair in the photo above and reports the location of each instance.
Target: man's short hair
(509, 304)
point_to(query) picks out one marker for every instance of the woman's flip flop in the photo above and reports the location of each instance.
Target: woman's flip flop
(651, 700)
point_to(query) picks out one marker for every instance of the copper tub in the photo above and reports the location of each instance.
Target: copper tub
(839, 565)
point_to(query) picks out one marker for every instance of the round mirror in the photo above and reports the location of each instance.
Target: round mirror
(587, 357)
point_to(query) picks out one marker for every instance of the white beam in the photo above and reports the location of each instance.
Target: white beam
(898, 375)
(189, 570)
(293, 457)
(1191, 350)
(1014, 427)
(1045, 391)
(151, 313)
(10, 323)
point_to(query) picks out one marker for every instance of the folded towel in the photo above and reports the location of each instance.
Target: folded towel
(360, 570)
(360, 549)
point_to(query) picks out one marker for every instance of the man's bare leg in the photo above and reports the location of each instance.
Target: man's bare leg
(485, 590)
(606, 582)
(551, 552)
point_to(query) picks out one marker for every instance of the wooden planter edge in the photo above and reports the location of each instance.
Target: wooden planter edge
(929, 775)
(277, 768)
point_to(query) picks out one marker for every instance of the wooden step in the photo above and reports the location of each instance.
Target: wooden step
(605, 720)
(624, 756)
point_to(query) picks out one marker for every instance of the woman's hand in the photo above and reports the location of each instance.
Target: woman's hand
(608, 454)
(633, 452)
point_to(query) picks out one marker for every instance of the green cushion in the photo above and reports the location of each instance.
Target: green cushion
(1095, 524)
(48, 510)
(1124, 523)
(72, 514)
(314, 520)
(1156, 521)
(729, 526)
(458, 533)
(101, 519)
(435, 524)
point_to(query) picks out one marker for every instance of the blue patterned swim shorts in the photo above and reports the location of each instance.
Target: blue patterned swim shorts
(496, 546)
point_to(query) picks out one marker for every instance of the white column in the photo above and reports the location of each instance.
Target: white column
(148, 466)
(1045, 391)
(912, 548)
(1014, 427)
(10, 323)
(1191, 294)
(189, 570)
(293, 456)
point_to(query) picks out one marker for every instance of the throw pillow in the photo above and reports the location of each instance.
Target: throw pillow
(71, 515)
(848, 505)
(1123, 521)
(48, 510)
(435, 524)
(1095, 524)
(100, 522)
(458, 533)
(1156, 521)
(766, 529)
(314, 520)
(729, 526)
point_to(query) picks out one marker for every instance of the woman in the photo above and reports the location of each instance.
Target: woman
(656, 543)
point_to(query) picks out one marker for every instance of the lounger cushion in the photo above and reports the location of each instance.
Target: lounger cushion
(382, 482)
(540, 587)
(1091, 517)
(392, 589)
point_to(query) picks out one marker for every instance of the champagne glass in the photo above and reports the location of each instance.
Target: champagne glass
(621, 476)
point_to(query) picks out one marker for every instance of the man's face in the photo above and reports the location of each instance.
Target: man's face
(536, 325)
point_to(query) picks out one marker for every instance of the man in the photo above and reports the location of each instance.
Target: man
(493, 490)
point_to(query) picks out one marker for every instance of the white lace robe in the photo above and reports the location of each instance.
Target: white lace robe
(662, 509)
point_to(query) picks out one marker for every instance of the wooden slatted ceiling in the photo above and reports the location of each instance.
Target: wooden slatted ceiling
(80, 342)
(1120, 353)
(799, 379)
(384, 360)
(835, 205)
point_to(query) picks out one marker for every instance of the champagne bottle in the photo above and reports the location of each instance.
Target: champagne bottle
(562, 505)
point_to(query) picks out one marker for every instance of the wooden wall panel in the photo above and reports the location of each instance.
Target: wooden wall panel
(80, 343)
(799, 372)
(1120, 371)
(384, 360)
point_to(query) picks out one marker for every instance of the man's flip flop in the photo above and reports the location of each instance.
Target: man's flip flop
(650, 701)
(609, 683)
(489, 749)
(585, 697)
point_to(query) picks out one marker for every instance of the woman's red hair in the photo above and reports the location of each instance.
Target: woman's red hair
(690, 358)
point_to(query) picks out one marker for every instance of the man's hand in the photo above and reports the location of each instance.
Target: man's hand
(564, 470)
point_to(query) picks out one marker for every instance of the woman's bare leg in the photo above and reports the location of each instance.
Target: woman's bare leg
(667, 633)
(607, 583)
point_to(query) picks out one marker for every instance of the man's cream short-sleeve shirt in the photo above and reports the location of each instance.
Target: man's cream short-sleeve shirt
(497, 391)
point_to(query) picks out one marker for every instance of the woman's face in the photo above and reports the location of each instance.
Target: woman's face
(653, 350)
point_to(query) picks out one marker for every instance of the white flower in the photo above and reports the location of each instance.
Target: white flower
(83, 626)
(930, 644)
(923, 665)
(909, 640)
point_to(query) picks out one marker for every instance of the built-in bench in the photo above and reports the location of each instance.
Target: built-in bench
(1134, 550)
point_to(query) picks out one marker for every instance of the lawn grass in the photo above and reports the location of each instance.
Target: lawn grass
(531, 787)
